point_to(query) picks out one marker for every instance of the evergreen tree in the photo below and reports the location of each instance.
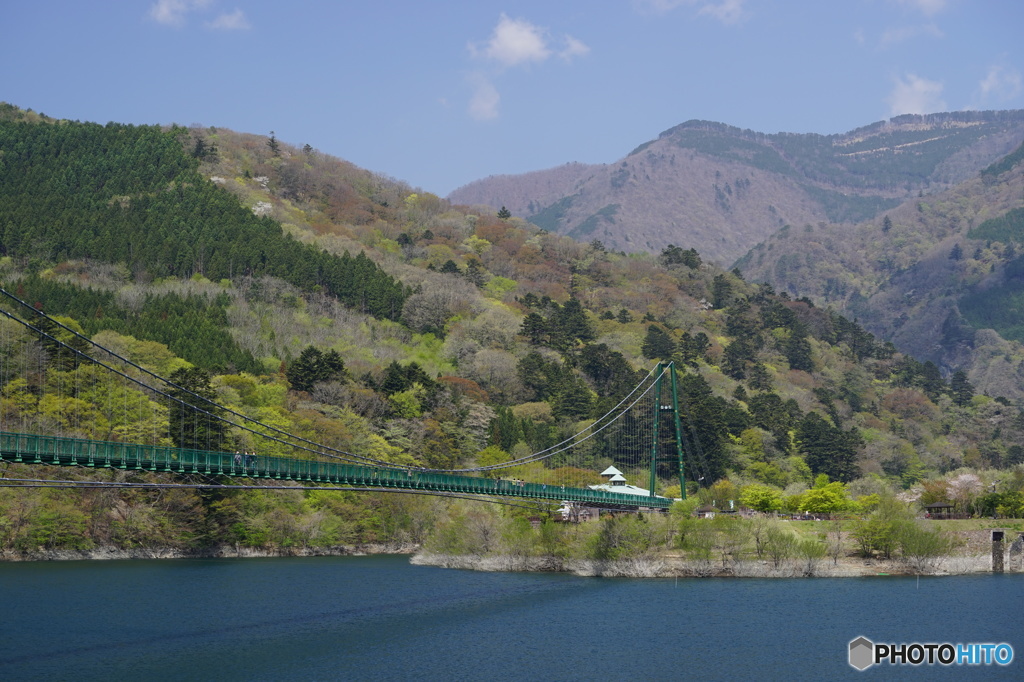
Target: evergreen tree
(535, 329)
(721, 291)
(758, 377)
(706, 430)
(64, 350)
(692, 348)
(930, 379)
(961, 389)
(609, 370)
(657, 345)
(828, 449)
(738, 355)
(539, 376)
(506, 430)
(570, 324)
(771, 414)
(573, 399)
(305, 371)
(192, 412)
(475, 272)
(313, 367)
(798, 353)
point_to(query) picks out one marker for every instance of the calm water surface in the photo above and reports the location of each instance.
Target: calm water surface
(379, 618)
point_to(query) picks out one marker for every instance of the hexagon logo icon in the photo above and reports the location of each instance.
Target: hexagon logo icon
(862, 653)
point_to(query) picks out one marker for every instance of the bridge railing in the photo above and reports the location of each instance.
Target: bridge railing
(66, 451)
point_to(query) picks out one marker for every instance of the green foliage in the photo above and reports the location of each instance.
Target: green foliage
(193, 327)
(780, 544)
(622, 537)
(314, 366)
(921, 547)
(999, 307)
(880, 532)
(1005, 164)
(657, 345)
(828, 449)
(167, 221)
(675, 255)
(761, 498)
(825, 498)
(194, 421)
(131, 194)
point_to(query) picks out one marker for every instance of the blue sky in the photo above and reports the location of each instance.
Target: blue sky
(440, 94)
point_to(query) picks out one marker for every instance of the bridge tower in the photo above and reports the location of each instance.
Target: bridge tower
(667, 370)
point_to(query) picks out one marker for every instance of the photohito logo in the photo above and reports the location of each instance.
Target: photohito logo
(864, 653)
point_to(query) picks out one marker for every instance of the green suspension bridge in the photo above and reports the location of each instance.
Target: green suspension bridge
(57, 386)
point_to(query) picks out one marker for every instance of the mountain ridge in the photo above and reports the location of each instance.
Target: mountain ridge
(721, 189)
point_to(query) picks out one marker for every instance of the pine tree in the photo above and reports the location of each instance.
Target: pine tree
(657, 345)
(573, 400)
(305, 371)
(961, 389)
(828, 449)
(192, 413)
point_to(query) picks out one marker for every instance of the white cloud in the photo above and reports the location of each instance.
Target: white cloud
(235, 21)
(726, 11)
(573, 48)
(926, 7)
(915, 95)
(483, 106)
(894, 36)
(516, 41)
(172, 12)
(176, 12)
(659, 6)
(999, 85)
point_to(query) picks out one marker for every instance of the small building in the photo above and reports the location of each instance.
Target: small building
(938, 510)
(617, 484)
(705, 512)
(574, 512)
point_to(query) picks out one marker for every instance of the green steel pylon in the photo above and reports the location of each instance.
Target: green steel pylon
(668, 368)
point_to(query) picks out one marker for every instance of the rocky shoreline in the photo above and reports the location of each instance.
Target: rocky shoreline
(218, 552)
(662, 566)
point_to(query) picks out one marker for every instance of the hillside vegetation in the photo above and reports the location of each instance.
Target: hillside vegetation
(382, 320)
(939, 276)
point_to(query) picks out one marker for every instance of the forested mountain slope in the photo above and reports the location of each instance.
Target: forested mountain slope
(938, 276)
(722, 190)
(127, 194)
(507, 339)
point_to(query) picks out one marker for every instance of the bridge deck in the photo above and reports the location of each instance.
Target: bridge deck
(63, 451)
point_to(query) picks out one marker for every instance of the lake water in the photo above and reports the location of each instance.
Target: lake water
(380, 618)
